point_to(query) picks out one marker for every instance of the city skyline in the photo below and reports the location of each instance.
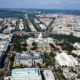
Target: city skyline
(40, 4)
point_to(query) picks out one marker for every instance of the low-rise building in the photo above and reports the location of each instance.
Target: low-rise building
(4, 45)
(7, 31)
(6, 37)
(66, 60)
(76, 52)
(21, 25)
(70, 75)
(36, 21)
(42, 26)
(48, 75)
(25, 74)
(77, 44)
(28, 58)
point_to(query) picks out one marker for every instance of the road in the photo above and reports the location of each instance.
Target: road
(54, 67)
(46, 32)
(6, 66)
(26, 33)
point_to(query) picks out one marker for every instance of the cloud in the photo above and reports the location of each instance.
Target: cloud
(56, 2)
(73, 1)
(52, 1)
(65, 1)
(44, 3)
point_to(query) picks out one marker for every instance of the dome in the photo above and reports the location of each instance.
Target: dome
(40, 36)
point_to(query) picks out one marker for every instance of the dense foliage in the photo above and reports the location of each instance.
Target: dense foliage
(17, 46)
(34, 44)
(70, 38)
(47, 60)
(66, 46)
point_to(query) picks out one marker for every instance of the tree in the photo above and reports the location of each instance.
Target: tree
(24, 49)
(11, 59)
(34, 43)
(39, 65)
(51, 45)
(34, 47)
(52, 54)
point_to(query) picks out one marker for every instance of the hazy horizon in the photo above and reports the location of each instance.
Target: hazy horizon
(40, 4)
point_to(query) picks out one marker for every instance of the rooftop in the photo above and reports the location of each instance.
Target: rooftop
(4, 45)
(25, 73)
(28, 55)
(49, 75)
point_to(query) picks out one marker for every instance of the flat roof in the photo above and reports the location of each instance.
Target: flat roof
(5, 43)
(48, 74)
(25, 73)
(49, 38)
(28, 55)
(30, 38)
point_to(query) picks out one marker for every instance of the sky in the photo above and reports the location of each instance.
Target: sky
(41, 4)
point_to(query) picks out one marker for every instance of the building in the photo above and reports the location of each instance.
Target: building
(42, 26)
(63, 32)
(28, 58)
(48, 75)
(26, 74)
(1, 57)
(32, 28)
(6, 37)
(47, 21)
(21, 25)
(40, 39)
(76, 52)
(7, 31)
(70, 75)
(77, 44)
(66, 60)
(36, 21)
(4, 45)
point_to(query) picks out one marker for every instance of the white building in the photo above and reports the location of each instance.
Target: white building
(40, 39)
(21, 25)
(42, 26)
(64, 32)
(26, 74)
(6, 37)
(77, 34)
(76, 52)
(69, 75)
(4, 45)
(28, 58)
(66, 60)
(77, 44)
(36, 21)
(48, 75)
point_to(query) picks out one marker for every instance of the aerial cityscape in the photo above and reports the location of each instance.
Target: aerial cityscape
(40, 40)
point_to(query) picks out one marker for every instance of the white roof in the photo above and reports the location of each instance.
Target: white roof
(48, 75)
(40, 35)
(67, 58)
(6, 36)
